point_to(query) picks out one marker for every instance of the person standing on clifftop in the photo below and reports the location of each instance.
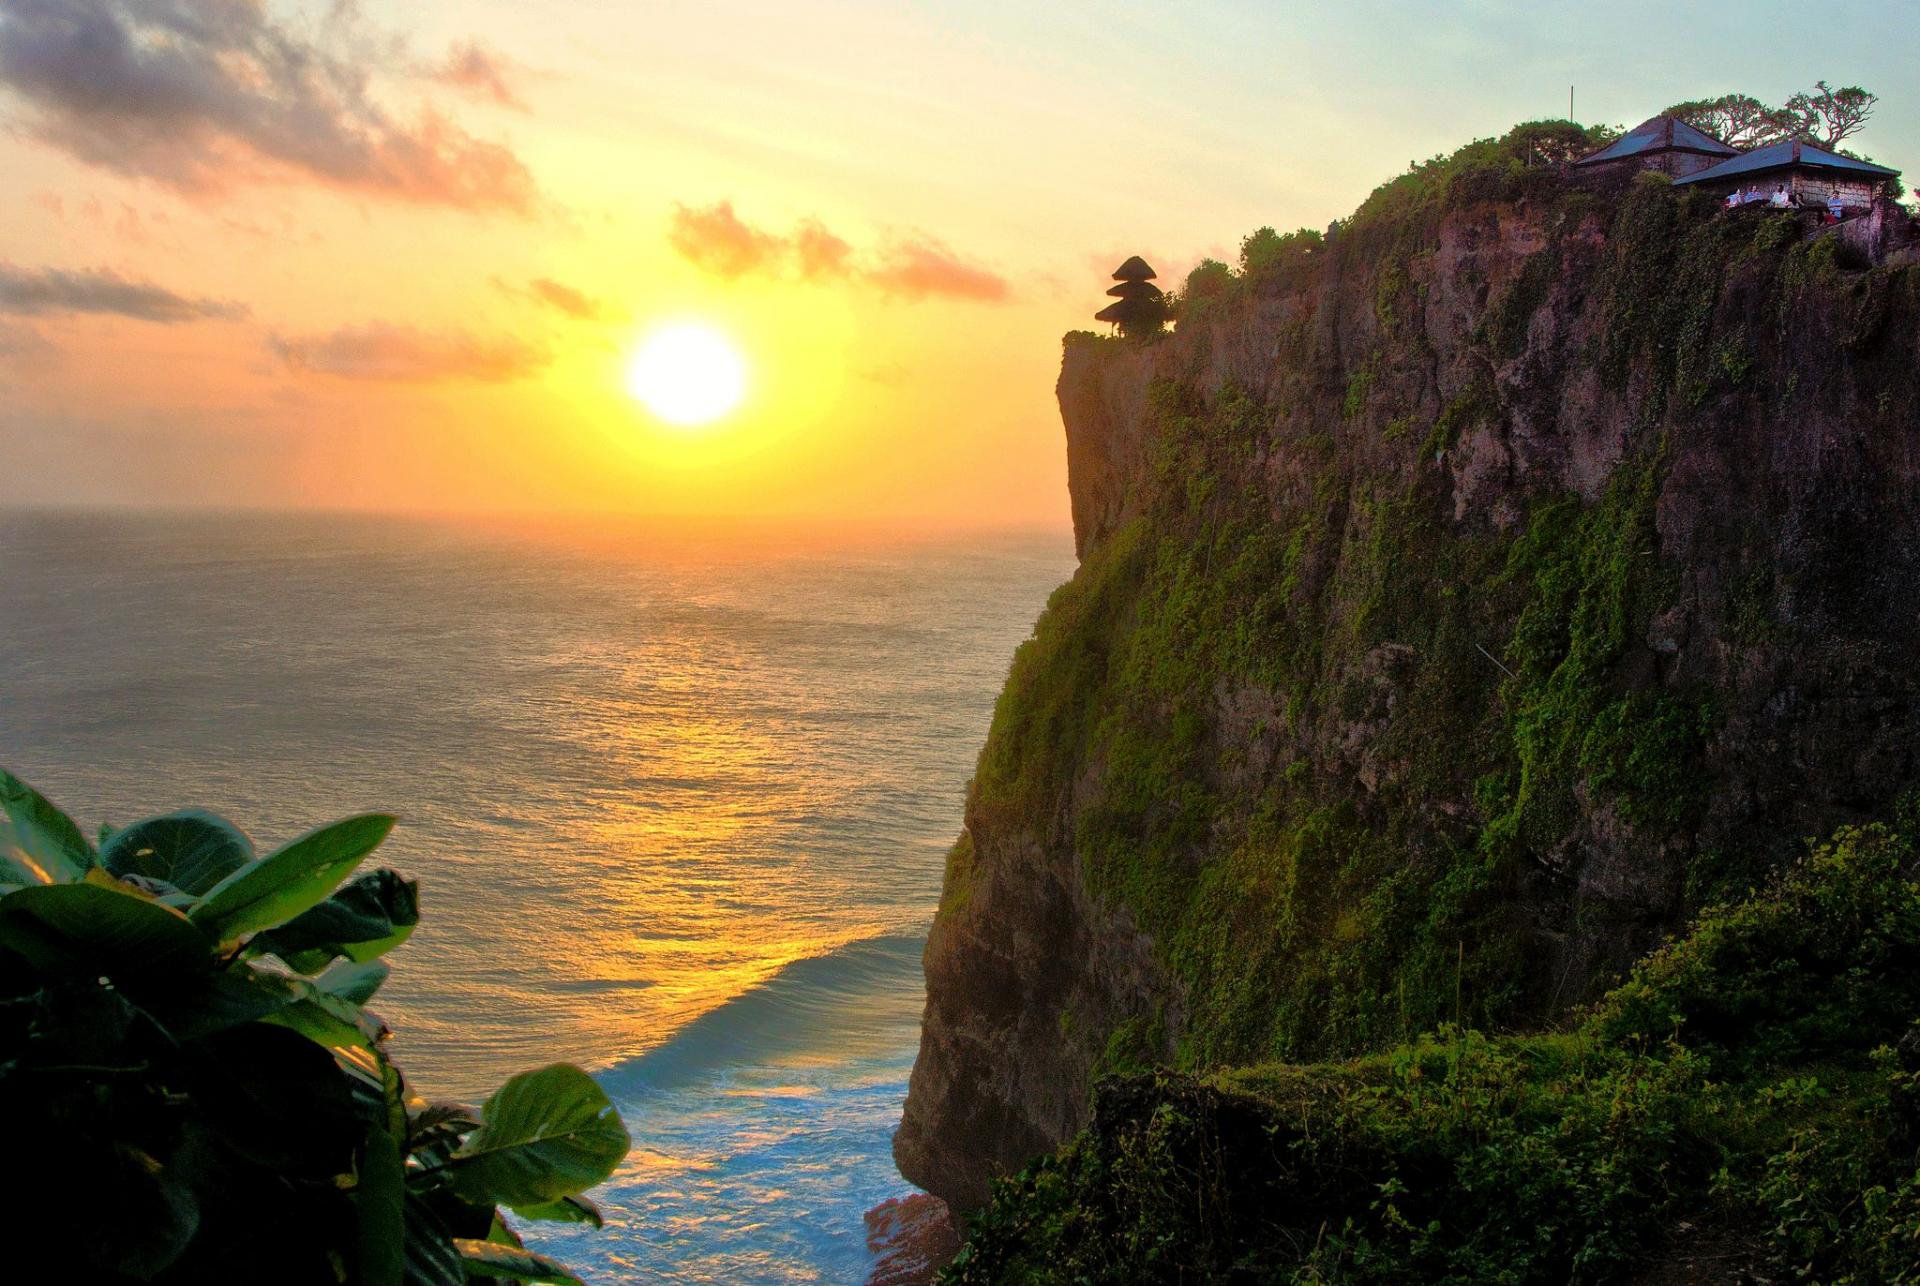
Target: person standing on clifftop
(1836, 208)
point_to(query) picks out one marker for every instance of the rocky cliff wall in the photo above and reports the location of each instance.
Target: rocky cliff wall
(1463, 601)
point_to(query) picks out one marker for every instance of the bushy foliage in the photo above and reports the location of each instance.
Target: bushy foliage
(1209, 278)
(195, 1091)
(1735, 1107)
(1524, 162)
(1268, 258)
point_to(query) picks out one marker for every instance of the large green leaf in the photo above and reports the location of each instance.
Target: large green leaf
(329, 1020)
(353, 982)
(191, 850)
(431, 1259)
(244, 1083)
(379, 1205)
(222, 999)
(39, 844)
(147, 1216)
(373, 914)
(543, 1135)
(286, 882)
(491, 1259)
(93, 930)
(574, 1209)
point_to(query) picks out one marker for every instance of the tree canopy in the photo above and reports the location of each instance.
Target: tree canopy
(1823, 116)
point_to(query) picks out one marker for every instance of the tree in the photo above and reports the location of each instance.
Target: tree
(1830, 116)
(1738, 120)
(1823, 116)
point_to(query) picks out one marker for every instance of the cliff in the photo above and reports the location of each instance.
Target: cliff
(1465, 602)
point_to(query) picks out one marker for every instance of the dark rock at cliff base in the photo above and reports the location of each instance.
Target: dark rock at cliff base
(913, 1238)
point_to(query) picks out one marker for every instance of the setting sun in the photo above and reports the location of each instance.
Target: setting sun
(688, 374)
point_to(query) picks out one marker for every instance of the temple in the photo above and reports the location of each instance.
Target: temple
(1811, 176)
(1665, 143)
(1139, 308)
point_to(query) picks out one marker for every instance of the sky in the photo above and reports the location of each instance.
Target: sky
(401, 256)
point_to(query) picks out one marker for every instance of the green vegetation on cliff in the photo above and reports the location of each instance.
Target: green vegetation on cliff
(1455, 591)
(1736, 1107)
(1308, 908)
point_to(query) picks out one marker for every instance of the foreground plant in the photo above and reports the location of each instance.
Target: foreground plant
(193, 1090)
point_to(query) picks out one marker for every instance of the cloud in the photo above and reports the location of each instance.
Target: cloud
(202, 95)
(403, 354)
(558, 296)
(918, 268)
(717, 240)
(19, 342)
(48, 291)
(820, 253)
(474, 69)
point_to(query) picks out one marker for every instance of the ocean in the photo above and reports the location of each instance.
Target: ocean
(678, 798)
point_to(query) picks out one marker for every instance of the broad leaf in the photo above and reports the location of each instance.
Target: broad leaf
(191, 850)
(327, 1020)
(353, 982)
(246, 1080)
(220, 1000)
(286, 882)
(91, 930)
(39, 844)
(369, 917)
(435, 1131)
(574, 1209)
(379, 1205)
(543, 1135)
(491, 1259)
(148, 1216)
(431, 1259)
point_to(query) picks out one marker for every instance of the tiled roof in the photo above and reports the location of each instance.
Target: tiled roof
(1783, 155)
(1661, 134)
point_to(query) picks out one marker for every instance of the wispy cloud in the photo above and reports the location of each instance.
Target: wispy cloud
(558, 296)
(42, 292)
(402, 354)
(717, 240)
(485, 73)
(19, 342)
(202, 95)
(918, 267)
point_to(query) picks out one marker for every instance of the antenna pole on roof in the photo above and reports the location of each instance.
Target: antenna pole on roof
(1569, 102)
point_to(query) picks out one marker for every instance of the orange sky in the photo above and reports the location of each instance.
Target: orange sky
(398, 256)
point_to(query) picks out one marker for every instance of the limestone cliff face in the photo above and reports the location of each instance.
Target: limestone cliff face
(1462, 602)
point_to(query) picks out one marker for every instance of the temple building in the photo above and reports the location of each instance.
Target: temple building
(1138, 308)
(1811, 175)
(1665, 143)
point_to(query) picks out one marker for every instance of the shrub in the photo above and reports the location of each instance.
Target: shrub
(198, 1094)
(1208, 279)
(1735, 1110)
(1265, 254)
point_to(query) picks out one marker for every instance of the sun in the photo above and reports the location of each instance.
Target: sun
(688, 373)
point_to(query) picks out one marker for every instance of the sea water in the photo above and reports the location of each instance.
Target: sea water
(678, 800)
